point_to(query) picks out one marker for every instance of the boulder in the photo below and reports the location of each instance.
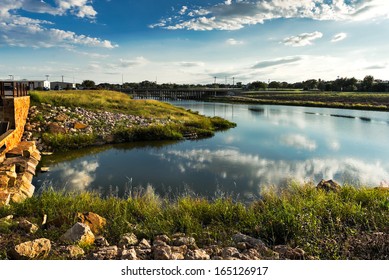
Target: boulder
(230, 252)
(287, 252)
(106, 253)
(129, 254)
(128, 239)
(79, 233)
(257, 244)
(144, 244)
(79, 125)
(36, 249)
(198, 254)
(56, 128)
(61, 117)
(328, 186)
(162, 253)
(75, 251)
(93, 220)
(27, 226)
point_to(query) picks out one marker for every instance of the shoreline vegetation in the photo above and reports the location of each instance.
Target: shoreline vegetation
(337, 100)
(299, 222)
(62, 120)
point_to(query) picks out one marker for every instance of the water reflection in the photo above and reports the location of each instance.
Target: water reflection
(270, 145)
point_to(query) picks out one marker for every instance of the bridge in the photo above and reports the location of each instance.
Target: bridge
(179, 94)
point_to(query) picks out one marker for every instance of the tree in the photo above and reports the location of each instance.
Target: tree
(257, 85)
(274, 84)
(367, 83)
(88, 84)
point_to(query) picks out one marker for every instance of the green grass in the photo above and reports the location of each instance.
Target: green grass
(178, 121)
(320, 223)
(346, 100)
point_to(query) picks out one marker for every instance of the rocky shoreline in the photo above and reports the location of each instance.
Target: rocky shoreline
(85, 241)
(79, 121)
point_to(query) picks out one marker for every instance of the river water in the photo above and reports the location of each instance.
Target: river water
(270, 146)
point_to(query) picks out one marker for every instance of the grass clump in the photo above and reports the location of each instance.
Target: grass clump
(325, 225)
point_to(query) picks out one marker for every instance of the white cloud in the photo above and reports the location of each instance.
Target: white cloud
(234, 42)
(126, 63)
(304, 39)
(339, 37)
(298, 141)
(233, 15)
(277, 61)
(183, 10)
(80, 176)
(20, 31)
(191, 63)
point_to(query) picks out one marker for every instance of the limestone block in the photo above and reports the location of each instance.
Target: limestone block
(36, 249)
(27, 226)
(4, 198)
(93, 220)
(79, 233)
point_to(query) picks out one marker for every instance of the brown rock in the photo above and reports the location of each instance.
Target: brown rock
(4, 179)
(36, 249)
(5, 198)
(328, 186)
(106, 253)
(198, 254)
(79, 233)
(93, 220)
(61, 117)
(287, 252)
(230, 252)
(144, 244)
(27, 226)
(128, 239)
(79, 125)
(163, 238)
(75, 251)
(162, 253)
(129, 254)
(56, 128)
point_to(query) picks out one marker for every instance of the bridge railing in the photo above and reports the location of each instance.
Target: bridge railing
(13, 89)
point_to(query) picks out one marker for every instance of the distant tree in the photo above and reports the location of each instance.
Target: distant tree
(257, 85)
(274, 84)
(367, 83)
(88, 84)
(310, 84)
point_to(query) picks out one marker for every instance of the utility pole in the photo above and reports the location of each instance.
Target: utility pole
(233, 81)
(11, 77)
(47, 77)
(62, 78)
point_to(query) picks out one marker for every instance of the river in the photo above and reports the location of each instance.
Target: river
(270, 146)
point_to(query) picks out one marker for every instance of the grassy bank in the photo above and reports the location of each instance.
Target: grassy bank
(164, 121)
(342, 225)
(343, 100)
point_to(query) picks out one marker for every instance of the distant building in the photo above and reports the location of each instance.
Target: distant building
(62, 85)
(36, 84)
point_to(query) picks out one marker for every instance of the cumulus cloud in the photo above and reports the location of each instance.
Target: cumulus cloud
(234, 42)
(80, 176)
(21, 31)
(275, 62)
(299, 142)
(304, 39)
(233, 15)
(339, 37)
(235, 164)
(126, 63)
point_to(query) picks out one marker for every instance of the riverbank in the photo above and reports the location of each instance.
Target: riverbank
(76, 119)
(340, 100)
(299, 222)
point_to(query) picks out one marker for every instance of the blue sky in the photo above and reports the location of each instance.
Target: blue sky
(193, 41)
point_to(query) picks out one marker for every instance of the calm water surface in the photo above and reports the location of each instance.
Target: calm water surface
(269, 146)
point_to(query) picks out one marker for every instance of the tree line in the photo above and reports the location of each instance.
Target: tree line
(368, 84)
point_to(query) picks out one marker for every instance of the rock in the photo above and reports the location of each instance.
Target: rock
(328, 186)
(36, 249)
(230, 252)
(79, 125)
(188, 241)
(143, 254)
(258, 244)
(95, 222)
(128, 239)
(144, 244)
(5, 198)
(129, 254)
(100, 241)
(287, 252)
(79, 233)
(75, 251)
(56, 128)
(27, 226)
(106, 253)
(61, 117)
(198, 254)
(163, 238)
(44, 169)
(250, 254)
(162, 253)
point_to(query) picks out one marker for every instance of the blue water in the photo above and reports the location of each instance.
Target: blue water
(270, 146)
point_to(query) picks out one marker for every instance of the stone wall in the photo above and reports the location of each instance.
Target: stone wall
(14, 111)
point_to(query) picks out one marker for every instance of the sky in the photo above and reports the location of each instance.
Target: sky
(173, 41)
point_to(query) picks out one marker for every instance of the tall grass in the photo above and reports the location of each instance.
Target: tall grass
(321, 223)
